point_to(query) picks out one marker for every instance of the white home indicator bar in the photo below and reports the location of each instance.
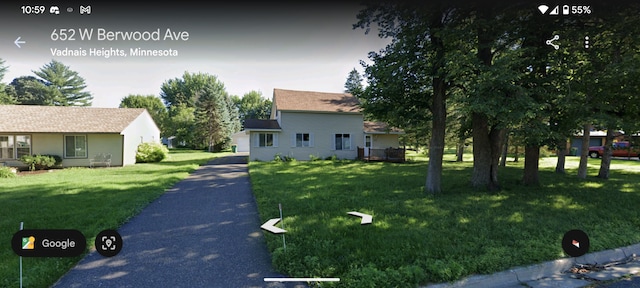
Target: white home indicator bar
(301, 279)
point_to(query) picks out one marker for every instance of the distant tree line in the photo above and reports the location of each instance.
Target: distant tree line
(195, 109)
(54, 84)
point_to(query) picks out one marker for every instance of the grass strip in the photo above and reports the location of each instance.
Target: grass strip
(416, 238)
(88, 200)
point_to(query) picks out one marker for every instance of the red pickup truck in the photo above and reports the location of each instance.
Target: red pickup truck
(619, 149)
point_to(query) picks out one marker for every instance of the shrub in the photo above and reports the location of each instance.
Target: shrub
(7, 172)
(277, 158)
(289, 158)
(333, 157)
(39, 162)
(56, 158)
(151, 152)
(545, 152)
(314, 158)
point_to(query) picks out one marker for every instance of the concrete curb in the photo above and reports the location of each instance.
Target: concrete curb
(545, 273)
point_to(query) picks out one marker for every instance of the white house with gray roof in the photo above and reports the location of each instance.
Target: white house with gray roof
(77, 134)
(319, 124)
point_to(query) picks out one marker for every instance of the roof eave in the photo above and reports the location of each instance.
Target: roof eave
(384, 133)
(262, 130)
(320, 111)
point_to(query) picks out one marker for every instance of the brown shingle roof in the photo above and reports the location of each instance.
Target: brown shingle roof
(259, 124)
(380, 128)
(58, 119)
(290, 100)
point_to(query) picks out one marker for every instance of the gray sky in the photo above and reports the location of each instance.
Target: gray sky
(249, 47)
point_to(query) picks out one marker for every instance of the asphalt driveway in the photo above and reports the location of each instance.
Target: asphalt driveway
(203, 232)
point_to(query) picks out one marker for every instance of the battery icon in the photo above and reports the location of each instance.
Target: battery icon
(565, 10)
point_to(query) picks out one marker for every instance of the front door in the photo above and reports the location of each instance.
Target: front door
(368, 143)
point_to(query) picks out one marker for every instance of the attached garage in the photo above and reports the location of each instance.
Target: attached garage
(241, 140)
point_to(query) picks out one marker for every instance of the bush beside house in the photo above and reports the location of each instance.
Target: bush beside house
(150, 152)
(41, 162)
(7, 172)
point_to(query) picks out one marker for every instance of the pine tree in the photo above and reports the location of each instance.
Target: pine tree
(354, 83)
(65, 85)
(213, 121)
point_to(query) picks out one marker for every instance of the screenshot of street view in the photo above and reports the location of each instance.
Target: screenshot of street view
(320, 144)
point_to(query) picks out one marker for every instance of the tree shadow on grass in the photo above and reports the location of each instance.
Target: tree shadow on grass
(467, 231)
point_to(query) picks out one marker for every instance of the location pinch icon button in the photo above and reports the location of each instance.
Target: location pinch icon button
(575, 243)
(108, 243)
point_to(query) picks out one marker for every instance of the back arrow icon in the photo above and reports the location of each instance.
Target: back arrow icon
(18, 42)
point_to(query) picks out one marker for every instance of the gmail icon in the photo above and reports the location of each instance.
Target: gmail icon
(85, 9)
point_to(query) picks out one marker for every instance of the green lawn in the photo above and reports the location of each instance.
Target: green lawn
(416, 238)
(88, 200)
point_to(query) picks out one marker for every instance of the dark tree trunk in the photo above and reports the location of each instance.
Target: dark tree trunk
(439, 114)
(605, 164)
(516, 157)
(486, 138)
(584, 154)
(486, 153)
(495, 136)
(531, 161)
(460, 151)
(436, 145)
(562, 153)
(505, 150)
(481, 176)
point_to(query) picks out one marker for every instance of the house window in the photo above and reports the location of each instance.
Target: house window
(23, 145)
(343, 141)
(14, 146)
(75, 146)
(6, 147)
(303, 140)
(367, 141)
(265, 140)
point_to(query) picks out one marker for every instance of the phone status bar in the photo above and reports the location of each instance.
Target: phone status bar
(54, 10)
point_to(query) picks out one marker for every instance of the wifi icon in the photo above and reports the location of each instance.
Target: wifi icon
(543, 8)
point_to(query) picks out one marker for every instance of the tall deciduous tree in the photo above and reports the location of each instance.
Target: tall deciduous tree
(65, 85)
(182, 95)
(252, 106)
(5, 98)
(185, 90)
(181, 124)
(495, 100)
(408, 80)
(29, 90)
(610, 74)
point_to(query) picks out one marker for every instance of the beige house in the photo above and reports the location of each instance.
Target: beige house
(305, 124)
(77, 134)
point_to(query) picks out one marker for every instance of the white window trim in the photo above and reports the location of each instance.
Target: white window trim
(14, 139)
(333, 141)
(86, 146)
(256, 140)
(370, 140)
(294, 140)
